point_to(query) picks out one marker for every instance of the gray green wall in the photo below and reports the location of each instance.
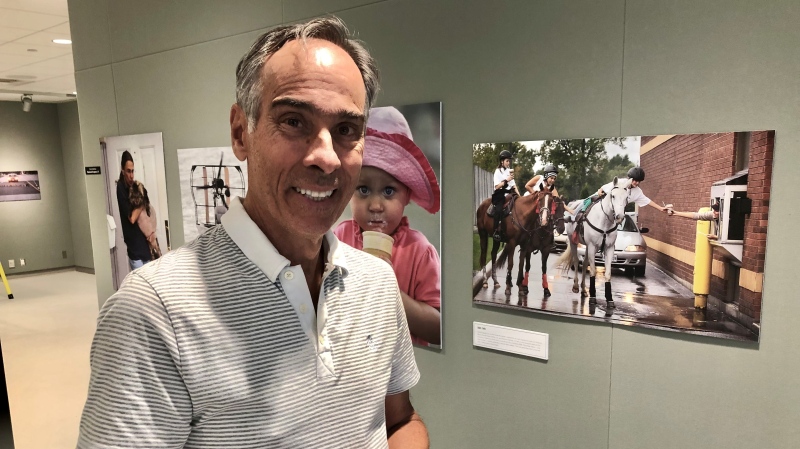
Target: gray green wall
(509, 70)
(39, 230)
(76, 184)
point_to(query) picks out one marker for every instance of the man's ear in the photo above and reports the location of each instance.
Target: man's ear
(239, 132)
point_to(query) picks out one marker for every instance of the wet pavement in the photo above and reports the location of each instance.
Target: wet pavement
(655, 301)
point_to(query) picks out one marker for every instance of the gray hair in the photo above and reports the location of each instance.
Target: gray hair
(249, 86)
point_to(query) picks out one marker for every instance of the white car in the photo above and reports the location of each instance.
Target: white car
(630, 249)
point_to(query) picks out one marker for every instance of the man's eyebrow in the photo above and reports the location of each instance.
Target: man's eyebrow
(310, 107)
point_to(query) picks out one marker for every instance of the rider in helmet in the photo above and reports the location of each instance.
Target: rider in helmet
(636, 176)
(503, 185)
(545, 181)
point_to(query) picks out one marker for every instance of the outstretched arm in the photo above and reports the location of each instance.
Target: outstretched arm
(666, 210)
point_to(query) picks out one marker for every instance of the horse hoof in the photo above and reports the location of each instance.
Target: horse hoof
(496, 285)
(610, 304)
(508, 291)
(546, 292)
(592, 300)
(485, 285)
(575, 290)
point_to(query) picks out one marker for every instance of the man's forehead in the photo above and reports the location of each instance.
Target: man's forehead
(313, 63)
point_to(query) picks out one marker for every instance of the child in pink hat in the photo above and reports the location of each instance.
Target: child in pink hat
(395, 171)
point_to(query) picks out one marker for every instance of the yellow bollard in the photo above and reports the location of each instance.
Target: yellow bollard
(702, 262)
(5, 283)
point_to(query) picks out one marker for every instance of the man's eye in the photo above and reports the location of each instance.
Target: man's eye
(293, 122)
(346, 130)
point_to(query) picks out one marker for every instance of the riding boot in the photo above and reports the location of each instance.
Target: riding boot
(497, 235)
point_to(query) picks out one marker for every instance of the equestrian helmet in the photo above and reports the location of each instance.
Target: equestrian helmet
(505, 154)
(636, 173)
(550, 170)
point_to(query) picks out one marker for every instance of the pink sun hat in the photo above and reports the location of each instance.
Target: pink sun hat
(390, 147)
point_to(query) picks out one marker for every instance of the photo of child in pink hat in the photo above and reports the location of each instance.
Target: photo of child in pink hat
(395, 172)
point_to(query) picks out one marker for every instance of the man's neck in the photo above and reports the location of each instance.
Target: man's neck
(308, 253)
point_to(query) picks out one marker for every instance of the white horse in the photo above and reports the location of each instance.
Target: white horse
(599, 232)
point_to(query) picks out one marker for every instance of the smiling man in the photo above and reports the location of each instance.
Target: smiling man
(266, 331)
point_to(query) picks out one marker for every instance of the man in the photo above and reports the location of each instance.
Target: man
(266, 331)
(635, 194)
(135, 240)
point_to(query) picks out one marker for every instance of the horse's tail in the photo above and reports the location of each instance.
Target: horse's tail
(504, 255)
(565, 259)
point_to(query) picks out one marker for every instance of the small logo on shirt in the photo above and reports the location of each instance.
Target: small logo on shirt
(372, 343)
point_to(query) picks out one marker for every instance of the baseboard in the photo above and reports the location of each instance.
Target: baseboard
(50, 270)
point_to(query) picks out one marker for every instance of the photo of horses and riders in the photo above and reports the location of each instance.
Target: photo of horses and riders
(666, 232)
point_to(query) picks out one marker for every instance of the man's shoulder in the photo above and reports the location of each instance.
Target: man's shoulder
(188, 258)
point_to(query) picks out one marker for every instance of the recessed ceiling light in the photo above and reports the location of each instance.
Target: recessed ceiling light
(62, 41)
(32, 50)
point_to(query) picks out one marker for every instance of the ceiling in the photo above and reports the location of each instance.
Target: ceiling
(29, 60)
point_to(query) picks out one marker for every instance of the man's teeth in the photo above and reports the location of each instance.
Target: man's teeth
(314, 195)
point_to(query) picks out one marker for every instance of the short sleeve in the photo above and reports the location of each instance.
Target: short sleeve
(499, 176)
(641, 200)
(404, 367)
(428, 287)
(137, 397)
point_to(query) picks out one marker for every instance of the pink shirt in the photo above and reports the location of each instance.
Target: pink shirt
(415, 262)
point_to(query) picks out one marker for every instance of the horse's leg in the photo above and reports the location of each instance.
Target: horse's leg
(495, 244)
(522, 283)
(590, 258)
(511, 245)
(484, 244)
(609, 256)
(574, 261)
(527, 270)
(545, 285)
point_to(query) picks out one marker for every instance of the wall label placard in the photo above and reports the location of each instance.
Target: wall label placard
(509, 339)
(92, 170)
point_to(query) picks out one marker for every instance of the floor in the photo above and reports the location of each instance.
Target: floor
(46, 333)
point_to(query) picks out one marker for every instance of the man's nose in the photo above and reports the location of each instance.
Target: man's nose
(322, 154)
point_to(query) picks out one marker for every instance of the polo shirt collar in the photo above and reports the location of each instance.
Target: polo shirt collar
(246, 234)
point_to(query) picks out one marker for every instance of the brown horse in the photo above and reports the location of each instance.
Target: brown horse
(541, 239)
(515, 227)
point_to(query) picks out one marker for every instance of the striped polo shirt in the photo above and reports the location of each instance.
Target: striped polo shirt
(203, 348)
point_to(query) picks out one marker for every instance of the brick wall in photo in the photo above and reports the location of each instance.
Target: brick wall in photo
(759, 182)
(680, 171)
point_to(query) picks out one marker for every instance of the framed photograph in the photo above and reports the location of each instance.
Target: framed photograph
(397, 204)
(209, 178)
(20, 186)
(670, 230)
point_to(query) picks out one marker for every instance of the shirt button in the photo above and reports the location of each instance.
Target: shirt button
(303, 308)
(288, 275)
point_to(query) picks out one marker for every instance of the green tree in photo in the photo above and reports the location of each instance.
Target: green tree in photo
(583, 163)
(487, 157)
